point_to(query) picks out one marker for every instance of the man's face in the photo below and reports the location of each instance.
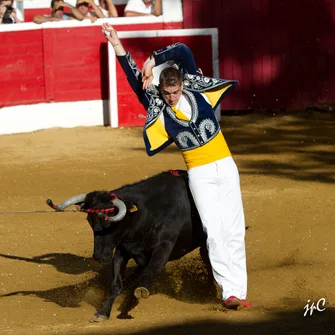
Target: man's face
(172, 94)
(83, 8)
(57, 11)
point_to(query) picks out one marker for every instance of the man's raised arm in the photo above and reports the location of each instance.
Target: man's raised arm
(127, 63)
(75, 12)
(180, 53)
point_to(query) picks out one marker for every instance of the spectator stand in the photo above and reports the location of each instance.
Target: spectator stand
(172, 11)
(58, 74)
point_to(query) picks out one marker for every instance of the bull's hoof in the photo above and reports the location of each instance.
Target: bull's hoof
(141, 292)
(98, 318)
(124, 316)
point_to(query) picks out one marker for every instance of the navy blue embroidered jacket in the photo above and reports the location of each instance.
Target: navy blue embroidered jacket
(203, 125)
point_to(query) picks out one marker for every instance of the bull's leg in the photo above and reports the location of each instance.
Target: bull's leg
(130, 300)
(158, 260)
(119, 264)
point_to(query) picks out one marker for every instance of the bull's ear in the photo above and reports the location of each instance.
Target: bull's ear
(80, 205)
(131, 207)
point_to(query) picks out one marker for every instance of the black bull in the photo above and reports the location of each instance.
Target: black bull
(159, 224)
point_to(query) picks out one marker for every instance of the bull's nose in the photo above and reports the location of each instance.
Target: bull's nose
(97, 259)
(104, 260)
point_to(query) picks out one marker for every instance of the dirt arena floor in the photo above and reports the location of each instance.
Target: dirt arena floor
(49, 284)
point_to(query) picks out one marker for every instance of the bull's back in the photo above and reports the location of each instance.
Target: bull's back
(157, 191)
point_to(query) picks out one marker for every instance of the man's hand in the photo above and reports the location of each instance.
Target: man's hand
(110, 34)
(2, 9)
(147, 75)
(92, 18)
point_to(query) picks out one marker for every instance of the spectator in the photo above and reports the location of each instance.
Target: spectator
(108, 9)
(8, 13)
(18, 5)
(19, 11)
(57, 13)
(143, 8)
(84, 8)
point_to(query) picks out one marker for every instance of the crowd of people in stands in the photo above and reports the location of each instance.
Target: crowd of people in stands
(84, 9)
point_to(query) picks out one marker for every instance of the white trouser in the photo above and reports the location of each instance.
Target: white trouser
(216, 192)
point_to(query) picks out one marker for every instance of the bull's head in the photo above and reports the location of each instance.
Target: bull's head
(103, 210)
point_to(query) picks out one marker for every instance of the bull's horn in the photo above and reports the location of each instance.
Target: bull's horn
(120, 205)
(68, 202)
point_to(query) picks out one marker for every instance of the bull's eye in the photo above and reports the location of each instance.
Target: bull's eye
(106, 224)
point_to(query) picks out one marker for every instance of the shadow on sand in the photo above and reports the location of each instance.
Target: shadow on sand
(283, 322)
(300, 144)
(187, 281)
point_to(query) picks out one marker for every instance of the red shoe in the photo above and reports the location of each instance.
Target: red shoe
(246, 303)
(235, 303)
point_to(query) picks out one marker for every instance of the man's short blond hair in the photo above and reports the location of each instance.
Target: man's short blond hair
(169, 77)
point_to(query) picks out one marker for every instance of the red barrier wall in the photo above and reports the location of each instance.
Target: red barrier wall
(53, 65)
(282, 52)
(282, 57)
(63, 64)
(22, 68)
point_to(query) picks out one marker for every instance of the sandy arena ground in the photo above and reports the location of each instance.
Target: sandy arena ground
(49, 285)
